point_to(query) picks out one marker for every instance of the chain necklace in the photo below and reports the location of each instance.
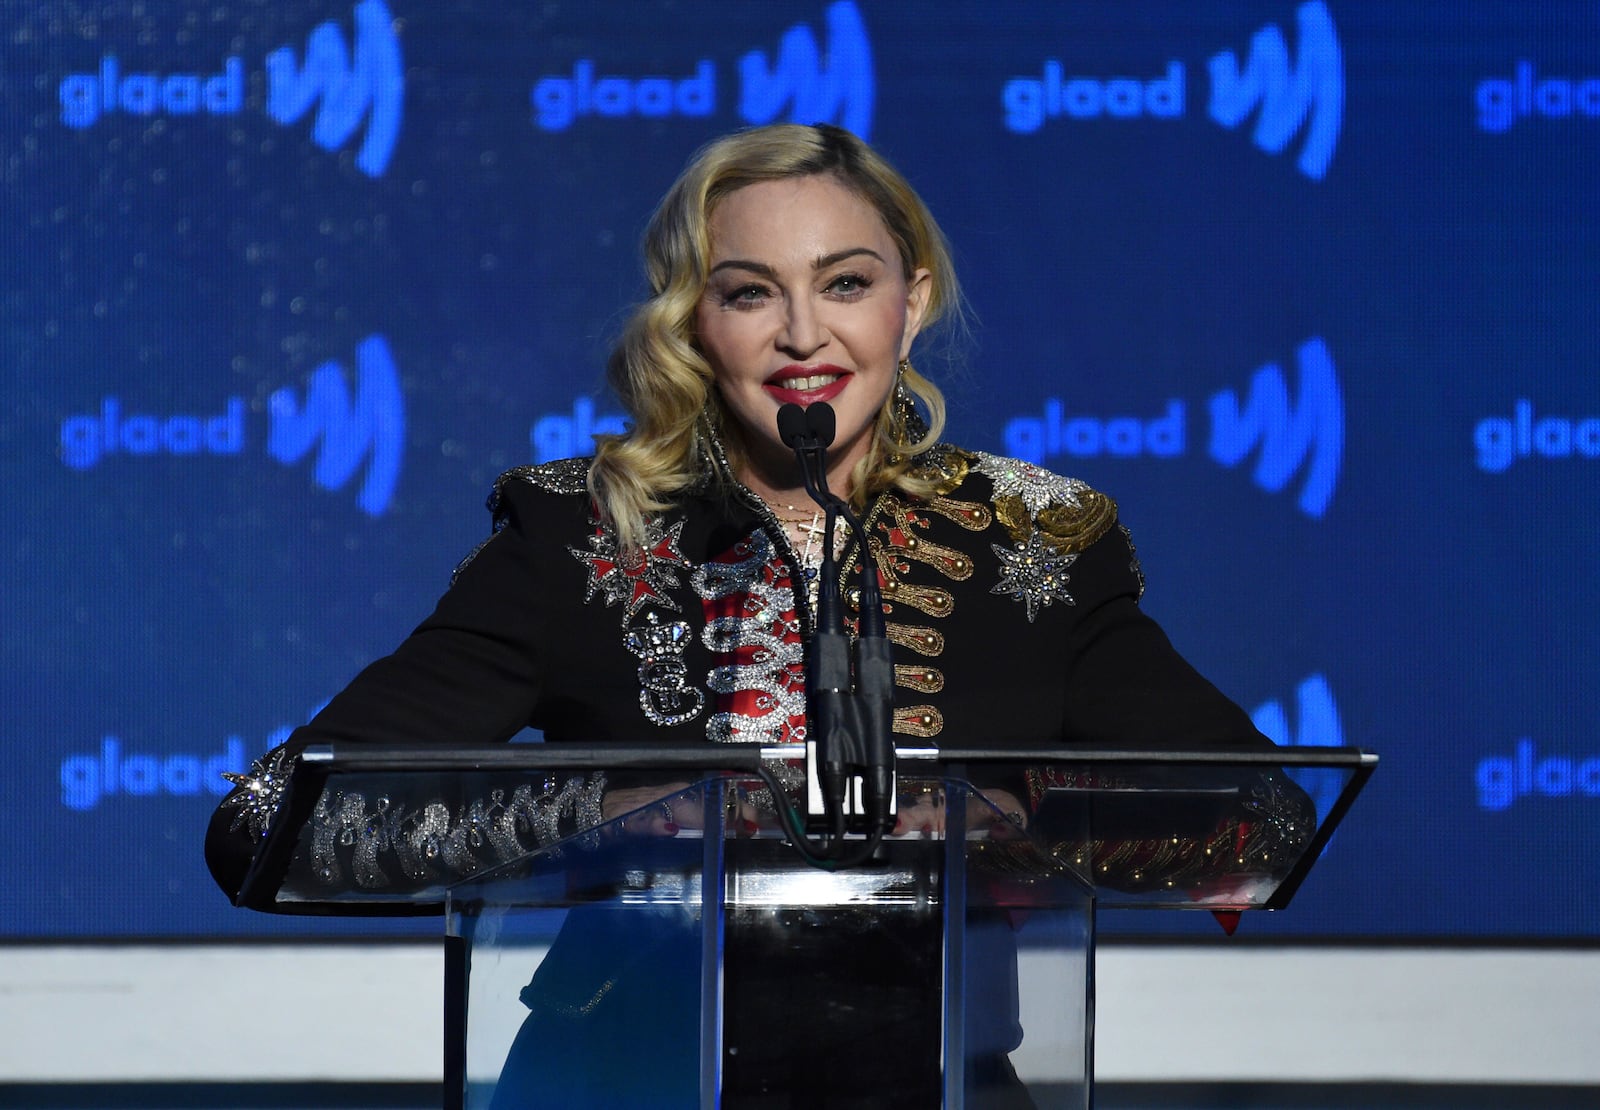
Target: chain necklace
(812, 528)
(802, 527)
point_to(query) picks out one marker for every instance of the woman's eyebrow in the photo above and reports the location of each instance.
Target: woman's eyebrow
(742, 264)
(839, 256)
(821, 263)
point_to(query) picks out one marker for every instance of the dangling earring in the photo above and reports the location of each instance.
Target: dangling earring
(913, 428)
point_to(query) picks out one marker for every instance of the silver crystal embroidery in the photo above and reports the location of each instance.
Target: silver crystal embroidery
(1038, 487)
(1033, 574)
(633, 579)
(564, 476)
(428, 841)
(1133, 561)
(664, 691)
(760, 644)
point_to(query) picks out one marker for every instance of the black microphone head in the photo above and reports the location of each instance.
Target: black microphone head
(821, 421)
(792, 425)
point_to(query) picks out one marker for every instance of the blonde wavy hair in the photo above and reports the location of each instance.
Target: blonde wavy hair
(666, 384)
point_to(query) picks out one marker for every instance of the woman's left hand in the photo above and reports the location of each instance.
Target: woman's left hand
(925, 814)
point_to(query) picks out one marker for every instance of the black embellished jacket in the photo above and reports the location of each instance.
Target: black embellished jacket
(1011, 599)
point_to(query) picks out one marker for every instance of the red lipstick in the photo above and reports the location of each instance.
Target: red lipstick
(805, 385)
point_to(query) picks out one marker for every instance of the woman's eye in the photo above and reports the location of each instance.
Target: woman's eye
(848, 285)
(744, 295)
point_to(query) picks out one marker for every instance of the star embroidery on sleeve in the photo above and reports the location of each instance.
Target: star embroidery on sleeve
(637, 578)
(259, 791)
(1034, 574)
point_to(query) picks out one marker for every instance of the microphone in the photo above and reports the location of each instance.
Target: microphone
(801, 432)
(821, 422)
(792, 426)
(851, 722)
(809, 428)
(829, 747)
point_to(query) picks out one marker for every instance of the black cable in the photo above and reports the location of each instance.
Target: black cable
(794, 829)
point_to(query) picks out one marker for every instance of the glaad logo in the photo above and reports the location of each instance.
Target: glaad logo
(558, 101)
(816, 85)
(87, 780)
(1287, 96)
(1501, 441)
(1503, 100)
(841, 92)
(370, 85)
(1309, 94)
(367, 83)
(85, 97)
(86, 439)
(1317, 719)
(558, 436)
(1316, 714)
(1029, 101)
(1032, 439)
(373, 424)
(1502, 779)
(1287, 435)
(348, 430)
(1291, 437)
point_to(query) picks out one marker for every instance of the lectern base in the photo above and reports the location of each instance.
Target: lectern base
(702, 972)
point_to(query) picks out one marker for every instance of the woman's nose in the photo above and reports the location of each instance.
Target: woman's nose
(804, 332)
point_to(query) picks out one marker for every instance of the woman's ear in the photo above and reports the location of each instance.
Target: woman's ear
(919, 290)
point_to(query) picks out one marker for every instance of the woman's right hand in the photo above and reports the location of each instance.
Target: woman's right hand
(664, 818)
(663, 810)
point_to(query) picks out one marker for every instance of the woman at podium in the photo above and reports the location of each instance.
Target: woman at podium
(666, 588)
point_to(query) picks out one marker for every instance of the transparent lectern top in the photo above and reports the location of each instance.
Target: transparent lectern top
(401, 830)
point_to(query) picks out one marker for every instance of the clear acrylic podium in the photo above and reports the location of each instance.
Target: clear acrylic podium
(683, 955)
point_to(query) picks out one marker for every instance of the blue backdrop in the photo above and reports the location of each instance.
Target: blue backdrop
(1309, 288)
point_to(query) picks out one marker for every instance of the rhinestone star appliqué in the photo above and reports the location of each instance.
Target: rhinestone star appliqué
(1038, 488)
(260, 790)
(1033, 574)
(635, 579)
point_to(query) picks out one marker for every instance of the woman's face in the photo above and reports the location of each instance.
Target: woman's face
(806, 301)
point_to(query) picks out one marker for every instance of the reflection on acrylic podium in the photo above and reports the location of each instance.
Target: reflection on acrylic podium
(684, 955)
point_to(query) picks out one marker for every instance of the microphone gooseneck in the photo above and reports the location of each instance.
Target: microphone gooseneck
(850, 716)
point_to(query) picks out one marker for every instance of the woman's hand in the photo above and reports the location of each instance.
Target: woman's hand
(925, 814)
(671, 810)
(664, 818)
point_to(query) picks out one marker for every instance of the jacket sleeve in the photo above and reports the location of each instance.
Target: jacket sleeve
(1125, 685)
(470, 673)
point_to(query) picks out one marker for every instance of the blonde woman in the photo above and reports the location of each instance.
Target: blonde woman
(664, 589)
